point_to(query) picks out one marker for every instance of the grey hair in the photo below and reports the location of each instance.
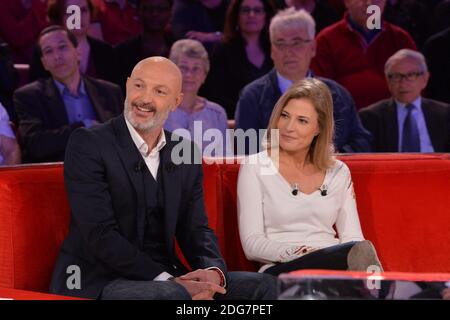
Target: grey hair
(191, 49)
(292, 19)
(403, 54)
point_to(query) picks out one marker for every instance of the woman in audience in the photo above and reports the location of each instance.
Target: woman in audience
(323, 13)
(291, 195)
(9, 149)
(195, 112)
(245, 54)
(96, 57)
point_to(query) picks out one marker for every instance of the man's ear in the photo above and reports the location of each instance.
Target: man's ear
(78, 54)
(43, 63)
(178, 101)
(313, 48)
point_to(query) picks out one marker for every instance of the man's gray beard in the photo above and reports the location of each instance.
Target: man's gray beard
(145, 127)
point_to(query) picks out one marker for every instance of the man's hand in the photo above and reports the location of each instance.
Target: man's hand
(200, 290)
(446, 294)
(204, 275)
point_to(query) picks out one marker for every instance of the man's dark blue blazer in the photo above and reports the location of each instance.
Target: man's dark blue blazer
(107, 200)
(259, 97)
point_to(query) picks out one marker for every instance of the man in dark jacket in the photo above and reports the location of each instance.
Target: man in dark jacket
(50, 109)
(293, 47)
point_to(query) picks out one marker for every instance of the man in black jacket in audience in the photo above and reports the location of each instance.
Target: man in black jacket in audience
(50, 109)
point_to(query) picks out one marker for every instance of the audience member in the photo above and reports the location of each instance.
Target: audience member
(411, 15)
(437, 52)
(20, 24)
(8, 79)
(244, 55)
(323, 14)
(353, 55)
(194, 111)
(291, 195)
(119, 20)
(9, 148)
(50, 109)
(155, 40)
(441, 16)
(407, 122)
(201, 20)
(293, 46)
(97, 58)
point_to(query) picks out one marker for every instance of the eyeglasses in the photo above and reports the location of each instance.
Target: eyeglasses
(411, 76)
(256, 10)
(194, 70)
(296, 44)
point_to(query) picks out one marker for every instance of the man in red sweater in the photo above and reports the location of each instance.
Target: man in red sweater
(354, 56)
(118, 19)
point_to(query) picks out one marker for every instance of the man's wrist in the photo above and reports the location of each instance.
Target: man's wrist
(222, 282)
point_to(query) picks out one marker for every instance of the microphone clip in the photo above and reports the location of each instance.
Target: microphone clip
(294, 189)
(324, 190)
(139, 167)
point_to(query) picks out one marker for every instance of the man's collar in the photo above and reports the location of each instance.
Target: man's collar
(61, 87)
(284, 83)
(142, 145)
(353, 26)
(417, 103)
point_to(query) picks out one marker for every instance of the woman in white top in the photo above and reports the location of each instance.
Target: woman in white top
(291, 195)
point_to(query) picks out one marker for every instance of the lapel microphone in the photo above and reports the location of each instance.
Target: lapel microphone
(139, 167)
(294, 187)
(324, 191)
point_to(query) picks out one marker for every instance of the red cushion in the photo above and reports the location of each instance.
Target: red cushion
(34, 218)
(7, 293)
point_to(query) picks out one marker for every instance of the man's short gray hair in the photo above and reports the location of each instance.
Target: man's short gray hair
(404, 54)
(191, 49)
(292, 19)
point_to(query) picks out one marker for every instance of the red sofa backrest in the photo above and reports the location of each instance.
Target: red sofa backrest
(403, 204)
(34, 219)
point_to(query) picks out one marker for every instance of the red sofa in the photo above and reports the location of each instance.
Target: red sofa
(402, 200)
(403, 203)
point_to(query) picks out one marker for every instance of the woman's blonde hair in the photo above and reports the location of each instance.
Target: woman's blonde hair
(321, 151)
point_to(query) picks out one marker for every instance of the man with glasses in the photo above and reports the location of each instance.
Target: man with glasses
(292, 48)
(407, 122)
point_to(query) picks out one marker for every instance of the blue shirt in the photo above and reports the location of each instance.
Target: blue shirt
(194, 127)
(79, 108)
(425, 142)
(284, 83)
(368, 35)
